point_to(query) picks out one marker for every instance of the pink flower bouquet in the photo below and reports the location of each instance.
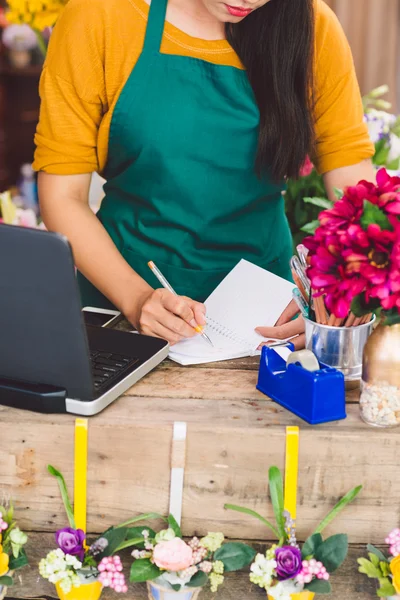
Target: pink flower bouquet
(354, 255)
(169, 563)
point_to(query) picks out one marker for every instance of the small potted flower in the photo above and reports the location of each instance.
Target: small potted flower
(12, 553)
(290, 572)
(20, 40)
(80, 569)
(384, 568)
(178, 570)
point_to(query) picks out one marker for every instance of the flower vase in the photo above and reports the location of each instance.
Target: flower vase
(20, 59)
(156, 591)
(305, 595)
(380, 385)
(90, 589)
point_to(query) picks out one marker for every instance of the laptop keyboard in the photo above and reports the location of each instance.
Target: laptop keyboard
(108, 368)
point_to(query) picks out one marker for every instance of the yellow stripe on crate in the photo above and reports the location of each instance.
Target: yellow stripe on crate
(291, 470)
(80, 473)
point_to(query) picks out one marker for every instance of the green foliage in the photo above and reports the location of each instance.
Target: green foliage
(115, 536)
(143, 517)
(333, 551)
(174, 526)
(386, 588)
(235, 556)
(373, 214)
(64, 495)
(347, 499)
(391, 317)
(319, 586)
(276, 491)
(310, 545)
(377, 553)
(19, 562)
(198, 580)
(6, 581)
(252, 513)
(298, 212)
(368, 568)
(143, 570)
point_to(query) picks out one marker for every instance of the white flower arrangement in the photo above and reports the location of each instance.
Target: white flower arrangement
(61, 568)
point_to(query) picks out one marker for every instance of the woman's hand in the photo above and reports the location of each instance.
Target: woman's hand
(286, 327)
(162, 314)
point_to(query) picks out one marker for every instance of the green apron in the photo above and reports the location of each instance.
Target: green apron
(181, 184)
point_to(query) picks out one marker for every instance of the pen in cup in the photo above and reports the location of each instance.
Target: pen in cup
(168, 287)
(300, 301)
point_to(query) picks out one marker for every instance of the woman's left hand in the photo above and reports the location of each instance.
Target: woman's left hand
(286, 327)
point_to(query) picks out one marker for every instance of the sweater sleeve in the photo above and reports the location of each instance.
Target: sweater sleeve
(341, 134)
(72, 92)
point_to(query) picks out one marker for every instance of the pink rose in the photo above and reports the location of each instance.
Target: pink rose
(307, 168)
(174, 555)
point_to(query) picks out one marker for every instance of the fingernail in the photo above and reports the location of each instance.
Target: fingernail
(194, 324)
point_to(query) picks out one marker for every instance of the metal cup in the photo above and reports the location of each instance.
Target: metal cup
(339, 347)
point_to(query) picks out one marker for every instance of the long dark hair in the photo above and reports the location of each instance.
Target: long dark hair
(276, 46)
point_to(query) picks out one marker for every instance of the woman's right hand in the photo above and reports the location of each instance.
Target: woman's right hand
(160, 313)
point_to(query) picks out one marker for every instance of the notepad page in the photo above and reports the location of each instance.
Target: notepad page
(247, 298)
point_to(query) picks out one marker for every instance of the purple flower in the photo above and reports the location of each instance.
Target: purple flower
(288, 561)
(71, 541)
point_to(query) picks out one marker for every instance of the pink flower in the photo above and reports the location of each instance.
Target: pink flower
(174, 555)
(307, 168)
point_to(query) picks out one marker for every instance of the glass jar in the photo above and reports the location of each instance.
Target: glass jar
(380, 385)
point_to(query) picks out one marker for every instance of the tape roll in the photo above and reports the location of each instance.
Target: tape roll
(306, 358)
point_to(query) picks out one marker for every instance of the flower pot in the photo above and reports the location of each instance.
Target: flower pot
(158, 592)
(90, 589)
(20, 59)
(380, 385)
(300, 596)
(339, 347)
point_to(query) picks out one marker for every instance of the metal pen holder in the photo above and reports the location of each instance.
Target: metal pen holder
(339, 347)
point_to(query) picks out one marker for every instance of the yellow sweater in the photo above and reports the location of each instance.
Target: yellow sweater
(95, 46)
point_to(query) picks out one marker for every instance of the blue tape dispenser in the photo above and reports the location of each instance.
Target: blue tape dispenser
(312, 391)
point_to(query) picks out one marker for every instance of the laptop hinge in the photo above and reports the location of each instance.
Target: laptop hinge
(36, 397)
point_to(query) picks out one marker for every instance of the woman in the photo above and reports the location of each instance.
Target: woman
(195, 111)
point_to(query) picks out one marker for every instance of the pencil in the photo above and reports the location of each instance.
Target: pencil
(168, 287)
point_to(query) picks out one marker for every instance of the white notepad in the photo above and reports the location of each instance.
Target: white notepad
(247, 298)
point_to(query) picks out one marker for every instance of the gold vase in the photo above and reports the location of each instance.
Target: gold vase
(380, 385)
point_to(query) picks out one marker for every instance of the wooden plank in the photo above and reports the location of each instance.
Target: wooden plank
(206, 383)
(347, 583)
(231, 445)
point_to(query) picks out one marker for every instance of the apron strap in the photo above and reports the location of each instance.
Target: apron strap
(155, 25)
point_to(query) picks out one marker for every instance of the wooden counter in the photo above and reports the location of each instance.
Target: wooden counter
(234, 435)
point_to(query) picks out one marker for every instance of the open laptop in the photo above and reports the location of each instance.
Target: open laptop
(49, 360)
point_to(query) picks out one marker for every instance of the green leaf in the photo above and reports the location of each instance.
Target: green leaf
(347, 499)
(324, 203)
(373, 214)
(360, 308)
(18, 563)
(64, 495)
(6, 581)
(392, 317)
(143, 517)
(338, 193)
(176, 588)
(276, 491)
(136, 532)
(377, 552)
(374, 559)
(252, 513)
(128, 544)
(386, 588)
(385, 568)
(319, 586)
(311, 544)
(333, 551)
(115, 537)
(198, 580)
(174, 526)
(367, 568)
(311, 227)
(144, 570)
(235, 556)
